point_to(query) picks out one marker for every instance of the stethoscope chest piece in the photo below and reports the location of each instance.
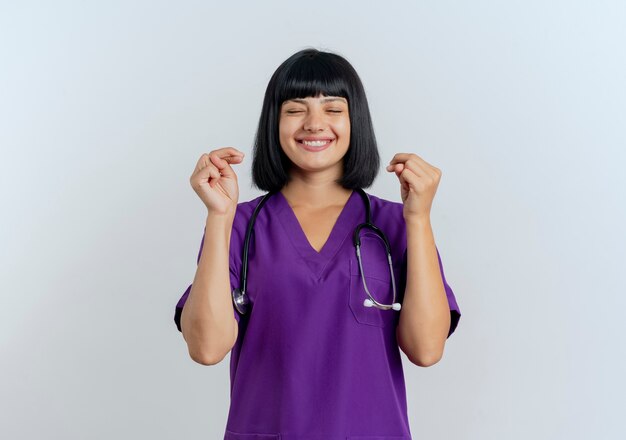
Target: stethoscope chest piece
(240, 300)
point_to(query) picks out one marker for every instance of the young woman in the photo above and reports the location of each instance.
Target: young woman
(327, 302)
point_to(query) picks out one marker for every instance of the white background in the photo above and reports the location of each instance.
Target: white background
(105, 107)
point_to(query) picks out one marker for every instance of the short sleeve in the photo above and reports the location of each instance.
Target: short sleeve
(455, 311)
(234, 281)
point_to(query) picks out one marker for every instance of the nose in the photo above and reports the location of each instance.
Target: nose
(314, 120)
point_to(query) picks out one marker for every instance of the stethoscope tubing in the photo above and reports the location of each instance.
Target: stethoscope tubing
(240, 299)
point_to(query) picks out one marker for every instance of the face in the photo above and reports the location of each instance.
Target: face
(315, 132)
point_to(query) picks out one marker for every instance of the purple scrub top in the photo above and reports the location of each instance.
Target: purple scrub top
(311, 362)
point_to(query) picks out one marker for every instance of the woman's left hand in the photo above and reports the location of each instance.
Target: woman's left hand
(418, 181)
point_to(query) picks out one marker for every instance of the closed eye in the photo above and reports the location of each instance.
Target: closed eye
(300, 111)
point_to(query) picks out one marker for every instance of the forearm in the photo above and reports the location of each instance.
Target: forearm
(425, 316)
(207, 320)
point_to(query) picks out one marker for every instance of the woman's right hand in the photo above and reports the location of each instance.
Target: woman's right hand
(215, 181)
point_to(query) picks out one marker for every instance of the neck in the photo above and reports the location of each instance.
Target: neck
(315, 194)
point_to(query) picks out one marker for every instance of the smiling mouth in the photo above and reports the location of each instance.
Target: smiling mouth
(315, 145)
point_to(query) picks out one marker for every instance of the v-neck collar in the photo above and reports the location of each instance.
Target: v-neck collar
(343, 228)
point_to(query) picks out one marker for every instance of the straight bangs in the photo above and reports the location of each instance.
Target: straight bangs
(309, 77)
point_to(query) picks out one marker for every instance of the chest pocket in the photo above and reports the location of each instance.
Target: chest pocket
(378, 280)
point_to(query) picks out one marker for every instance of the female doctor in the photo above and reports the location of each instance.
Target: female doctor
(329, 302)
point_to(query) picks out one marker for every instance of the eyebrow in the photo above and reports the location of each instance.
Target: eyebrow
(303, 101)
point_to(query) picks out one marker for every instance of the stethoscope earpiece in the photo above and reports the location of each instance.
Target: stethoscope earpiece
(369, 303)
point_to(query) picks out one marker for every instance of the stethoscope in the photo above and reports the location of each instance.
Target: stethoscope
(240, 298)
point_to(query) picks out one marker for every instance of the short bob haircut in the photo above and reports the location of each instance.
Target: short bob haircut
(309, 73)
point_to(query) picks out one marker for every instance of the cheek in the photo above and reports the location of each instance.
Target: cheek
(281, 132)
(285, 134)
(343, 128)
(285, 129)
(345, 123)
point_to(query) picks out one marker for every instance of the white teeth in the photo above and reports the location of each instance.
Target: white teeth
(315, 143)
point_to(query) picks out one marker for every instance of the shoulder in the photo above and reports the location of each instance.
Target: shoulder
(244, 212)
(245, 208)
(388, 216)
(385, 207)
